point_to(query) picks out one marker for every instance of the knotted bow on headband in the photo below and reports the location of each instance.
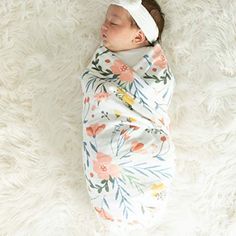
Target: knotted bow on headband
(141, 16)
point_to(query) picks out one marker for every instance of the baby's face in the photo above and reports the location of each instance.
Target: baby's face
(117, 33)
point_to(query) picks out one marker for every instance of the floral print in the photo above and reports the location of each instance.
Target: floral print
(103, 214)
(136, 146)
(104, 168)
(95, 129)
(123, 70)
(101, 96)
(128, 154)
(159, 58)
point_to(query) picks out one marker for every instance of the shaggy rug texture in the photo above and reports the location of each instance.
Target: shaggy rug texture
(44, 47)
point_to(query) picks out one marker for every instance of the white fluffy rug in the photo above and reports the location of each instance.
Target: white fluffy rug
(44, 46)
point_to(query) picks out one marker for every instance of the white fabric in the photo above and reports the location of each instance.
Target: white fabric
(131, 57)
(142, 17)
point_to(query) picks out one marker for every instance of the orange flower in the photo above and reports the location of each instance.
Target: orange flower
(104, 214)
(126, 74)
(101, 96)
(95, 129)
(159, 57)
(136, 146)
(134, 127)
(104, 168)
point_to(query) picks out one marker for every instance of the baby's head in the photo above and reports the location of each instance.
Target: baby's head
(121, 32)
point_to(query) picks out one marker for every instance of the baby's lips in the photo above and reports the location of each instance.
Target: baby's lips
(103, 35)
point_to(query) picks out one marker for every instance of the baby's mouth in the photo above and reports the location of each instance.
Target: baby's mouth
(104, 38)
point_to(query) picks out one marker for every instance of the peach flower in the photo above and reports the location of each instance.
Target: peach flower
(95, 129)
(125, 134)
(104, 214)
(125, 72)
(159, 57)
(136, 146)
(93, 107)
(104, 168)
(101, 96)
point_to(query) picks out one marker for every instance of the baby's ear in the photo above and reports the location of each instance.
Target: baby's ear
(140, 37)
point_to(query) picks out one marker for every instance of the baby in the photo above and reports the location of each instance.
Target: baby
(128, 153)
(120, 31)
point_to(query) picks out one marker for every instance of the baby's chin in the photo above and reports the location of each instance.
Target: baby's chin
(109, 46)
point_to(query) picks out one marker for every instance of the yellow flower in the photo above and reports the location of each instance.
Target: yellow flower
(156, 188)
(128, 99)
(121, 91)
(131, 119)
(117, 113)
(125, 96)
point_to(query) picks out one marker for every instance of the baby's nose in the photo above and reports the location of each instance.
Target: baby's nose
(105, 25)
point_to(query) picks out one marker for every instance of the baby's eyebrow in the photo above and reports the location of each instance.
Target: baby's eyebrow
(115, 15)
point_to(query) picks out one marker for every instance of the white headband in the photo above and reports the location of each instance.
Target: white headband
(141, 16)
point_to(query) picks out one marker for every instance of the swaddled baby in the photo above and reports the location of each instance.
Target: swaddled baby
(128, 153)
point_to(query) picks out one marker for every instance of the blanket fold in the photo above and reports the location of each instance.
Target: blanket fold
(128, 83)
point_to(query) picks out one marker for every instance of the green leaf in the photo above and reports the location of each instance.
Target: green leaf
(117, 193)
(107, 188)
(109, 71)
(93, 147)
(106, 203)
(165, 80)
(110, 178)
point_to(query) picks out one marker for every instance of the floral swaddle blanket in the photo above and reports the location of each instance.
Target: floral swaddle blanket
(128, 154)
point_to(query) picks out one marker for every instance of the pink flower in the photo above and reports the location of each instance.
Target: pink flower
(126, 74)
(104, 214)
(101, 96)
(95, 129)
(159, 57)
(104, 168)
(86, 100)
